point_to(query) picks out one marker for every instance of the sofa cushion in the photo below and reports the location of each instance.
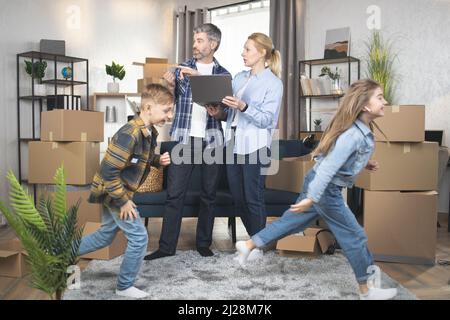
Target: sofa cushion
(223, 198)
(154, 198)
(273, 196)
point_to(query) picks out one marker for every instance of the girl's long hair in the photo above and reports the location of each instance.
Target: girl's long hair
(350, 108)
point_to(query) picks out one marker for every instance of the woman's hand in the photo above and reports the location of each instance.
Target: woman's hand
(234, 103)
(128, 210)
(164, 160)
(186, 71)
(373, 165)
(302, 206)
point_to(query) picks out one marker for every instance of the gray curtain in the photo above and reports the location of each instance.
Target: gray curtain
(287, 25)
(187, 21)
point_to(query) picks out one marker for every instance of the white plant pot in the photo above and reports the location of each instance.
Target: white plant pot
(113, 87)
(40, 90)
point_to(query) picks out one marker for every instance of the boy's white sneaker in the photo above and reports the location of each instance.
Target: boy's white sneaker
(241, 247)
(379, 294)
(132, 292)
(255, 254)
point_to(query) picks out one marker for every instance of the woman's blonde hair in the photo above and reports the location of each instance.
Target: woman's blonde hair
(350, 108)
(273, 56)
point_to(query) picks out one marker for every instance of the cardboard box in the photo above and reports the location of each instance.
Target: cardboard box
(155, 67)
(401, 226)
(142, 83)
(72, 125)
(81, 161)
(403, 166)
(12, 259)
(310, 241)
(291, 173)
(405, 123)
(115, 249)
(87, 212)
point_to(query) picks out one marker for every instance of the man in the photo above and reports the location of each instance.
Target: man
(125, 166)
(195, 130)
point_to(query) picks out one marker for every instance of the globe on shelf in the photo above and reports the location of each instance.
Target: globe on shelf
(67, 72)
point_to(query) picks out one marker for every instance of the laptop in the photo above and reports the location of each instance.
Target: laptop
(210, 89)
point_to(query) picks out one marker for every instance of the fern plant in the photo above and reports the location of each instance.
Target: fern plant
(116, 71)
(49, 233)
(380, 60)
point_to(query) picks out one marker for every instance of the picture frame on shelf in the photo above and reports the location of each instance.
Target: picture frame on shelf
(337, 43)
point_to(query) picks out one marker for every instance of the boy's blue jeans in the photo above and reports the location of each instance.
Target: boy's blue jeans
(340, 219)
(135, 232)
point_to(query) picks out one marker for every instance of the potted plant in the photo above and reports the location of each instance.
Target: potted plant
(48, 233)
(317, 125)
(37, 70)
(335, 78)
(117, 72)
(380, 59)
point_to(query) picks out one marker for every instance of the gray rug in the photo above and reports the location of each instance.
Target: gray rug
(189, 276)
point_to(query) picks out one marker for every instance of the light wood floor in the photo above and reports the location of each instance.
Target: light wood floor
(424, 281)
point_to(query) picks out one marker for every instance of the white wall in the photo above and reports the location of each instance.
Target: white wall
(198, 4)
(119, 30)
(421, 32)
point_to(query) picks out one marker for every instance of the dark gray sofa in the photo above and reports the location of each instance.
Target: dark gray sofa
(151, 204)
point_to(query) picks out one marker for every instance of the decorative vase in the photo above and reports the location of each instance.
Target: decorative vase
(40, 90)
(113, 87)
(336, 86)
(317, 128)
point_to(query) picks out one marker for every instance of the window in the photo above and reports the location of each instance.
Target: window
(237, 22)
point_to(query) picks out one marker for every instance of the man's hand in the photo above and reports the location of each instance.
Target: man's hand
(170, 78)
(234, 102)
(186, 71)
(373, 165)
(128, 210)
(164, 160)
(215, 111)
(302, 206)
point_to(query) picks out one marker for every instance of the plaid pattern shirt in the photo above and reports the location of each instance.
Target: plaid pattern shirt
(126, 164)
(181, 126)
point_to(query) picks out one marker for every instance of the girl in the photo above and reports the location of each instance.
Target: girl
(251, 117)
(344, 150)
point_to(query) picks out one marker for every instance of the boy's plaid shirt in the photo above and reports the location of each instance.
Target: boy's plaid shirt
(126, 164)
(181, 126)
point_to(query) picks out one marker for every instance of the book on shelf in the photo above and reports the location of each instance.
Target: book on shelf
(63, 101)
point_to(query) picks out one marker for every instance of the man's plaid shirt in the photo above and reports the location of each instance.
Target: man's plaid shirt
(126, 164)
(181, 126)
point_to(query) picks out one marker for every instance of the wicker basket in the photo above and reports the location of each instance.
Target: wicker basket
(154, 181)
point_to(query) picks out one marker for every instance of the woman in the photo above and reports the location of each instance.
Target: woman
(344, 150)
(252, 115)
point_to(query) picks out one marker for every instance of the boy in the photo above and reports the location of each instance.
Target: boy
(125, 166)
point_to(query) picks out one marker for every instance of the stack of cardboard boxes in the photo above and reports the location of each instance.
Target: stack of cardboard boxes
(73, 138)
(400, 199)
(289, 176)
(153, 71)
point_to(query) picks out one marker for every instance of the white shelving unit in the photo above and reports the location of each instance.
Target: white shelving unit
(123, 110)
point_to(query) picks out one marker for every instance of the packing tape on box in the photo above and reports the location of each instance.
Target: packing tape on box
(54, 145)
(50, 136)
(406, 148)
(84, 136)
(395, 108)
